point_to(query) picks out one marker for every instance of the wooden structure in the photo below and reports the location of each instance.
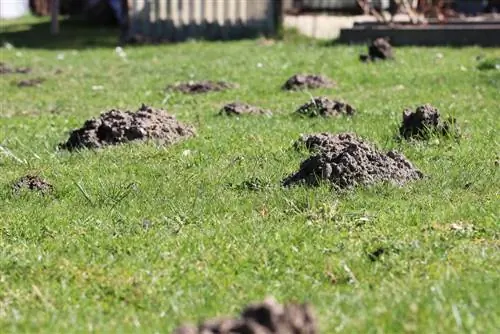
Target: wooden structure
(178, 20)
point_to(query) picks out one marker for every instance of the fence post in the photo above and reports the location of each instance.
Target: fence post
(278, 17)
(54, 17)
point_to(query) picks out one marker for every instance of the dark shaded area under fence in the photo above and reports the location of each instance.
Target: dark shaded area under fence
(167, 31)
(73, 35)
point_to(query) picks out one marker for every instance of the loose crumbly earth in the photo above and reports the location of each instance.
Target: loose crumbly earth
(6, 69)
(117, 127)
(425, 122)
(323, 106)
(379, 49)
(238, 109)
(324, 141)
(30, 82)
(32, 182)
(308, 81)
(263, 318)
(346, 161)
(198, 87)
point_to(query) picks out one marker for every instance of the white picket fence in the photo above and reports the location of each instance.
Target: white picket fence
(179, 20)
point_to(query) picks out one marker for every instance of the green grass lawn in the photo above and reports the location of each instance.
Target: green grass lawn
(75, 263)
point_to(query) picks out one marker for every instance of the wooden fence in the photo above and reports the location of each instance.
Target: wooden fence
(178, 20)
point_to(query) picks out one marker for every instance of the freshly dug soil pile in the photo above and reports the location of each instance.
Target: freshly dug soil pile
(198, 87)
(30, 82)
(32, 182)
(308, 81)
(6, 69)
(323, 106)
(319, 142)
(347, 161)
(425, 122)
(379, 49)
(117, 127)
(238, 109)
(264, 318)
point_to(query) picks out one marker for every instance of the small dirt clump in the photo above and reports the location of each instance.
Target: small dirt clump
(30, 82)
(239, 109)
(267, 317)
(379, 49)
(323, 106)
(6, 69)
(346, 161)
(425, 122)
(308, 81)
(33, 183)
(199, 87)
(117, 127)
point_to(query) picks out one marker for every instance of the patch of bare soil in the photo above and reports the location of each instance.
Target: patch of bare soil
(239, 109)
(323, 106)
(6, 69)
(33, 183)
(264, 318)
(308, 81)
(30, 82)
(117, 127)
(346, 161)
(426, 122)
(379, 49)
(198, 87)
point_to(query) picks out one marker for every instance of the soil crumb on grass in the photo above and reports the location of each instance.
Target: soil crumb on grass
(323, 106)
(32, 182)
(379, 49)
(118, 127)
(346, 161)
(30, 82)
(6, 69)
(239, 108)
(263, 318)
(199, 87)
(425, 122)
(308, 81)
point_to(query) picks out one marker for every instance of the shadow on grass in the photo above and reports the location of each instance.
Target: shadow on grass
(74, 34)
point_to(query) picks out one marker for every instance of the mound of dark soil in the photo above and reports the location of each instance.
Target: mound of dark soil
(198, 87)
(347, 161)
(30, 82)
(319, 142)
(264, 318)
(425, 122)
(31, 182)
(379, 49)
(238, 109)
(6, 69)
(323, 106)
(308, 81)
(117, 127)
